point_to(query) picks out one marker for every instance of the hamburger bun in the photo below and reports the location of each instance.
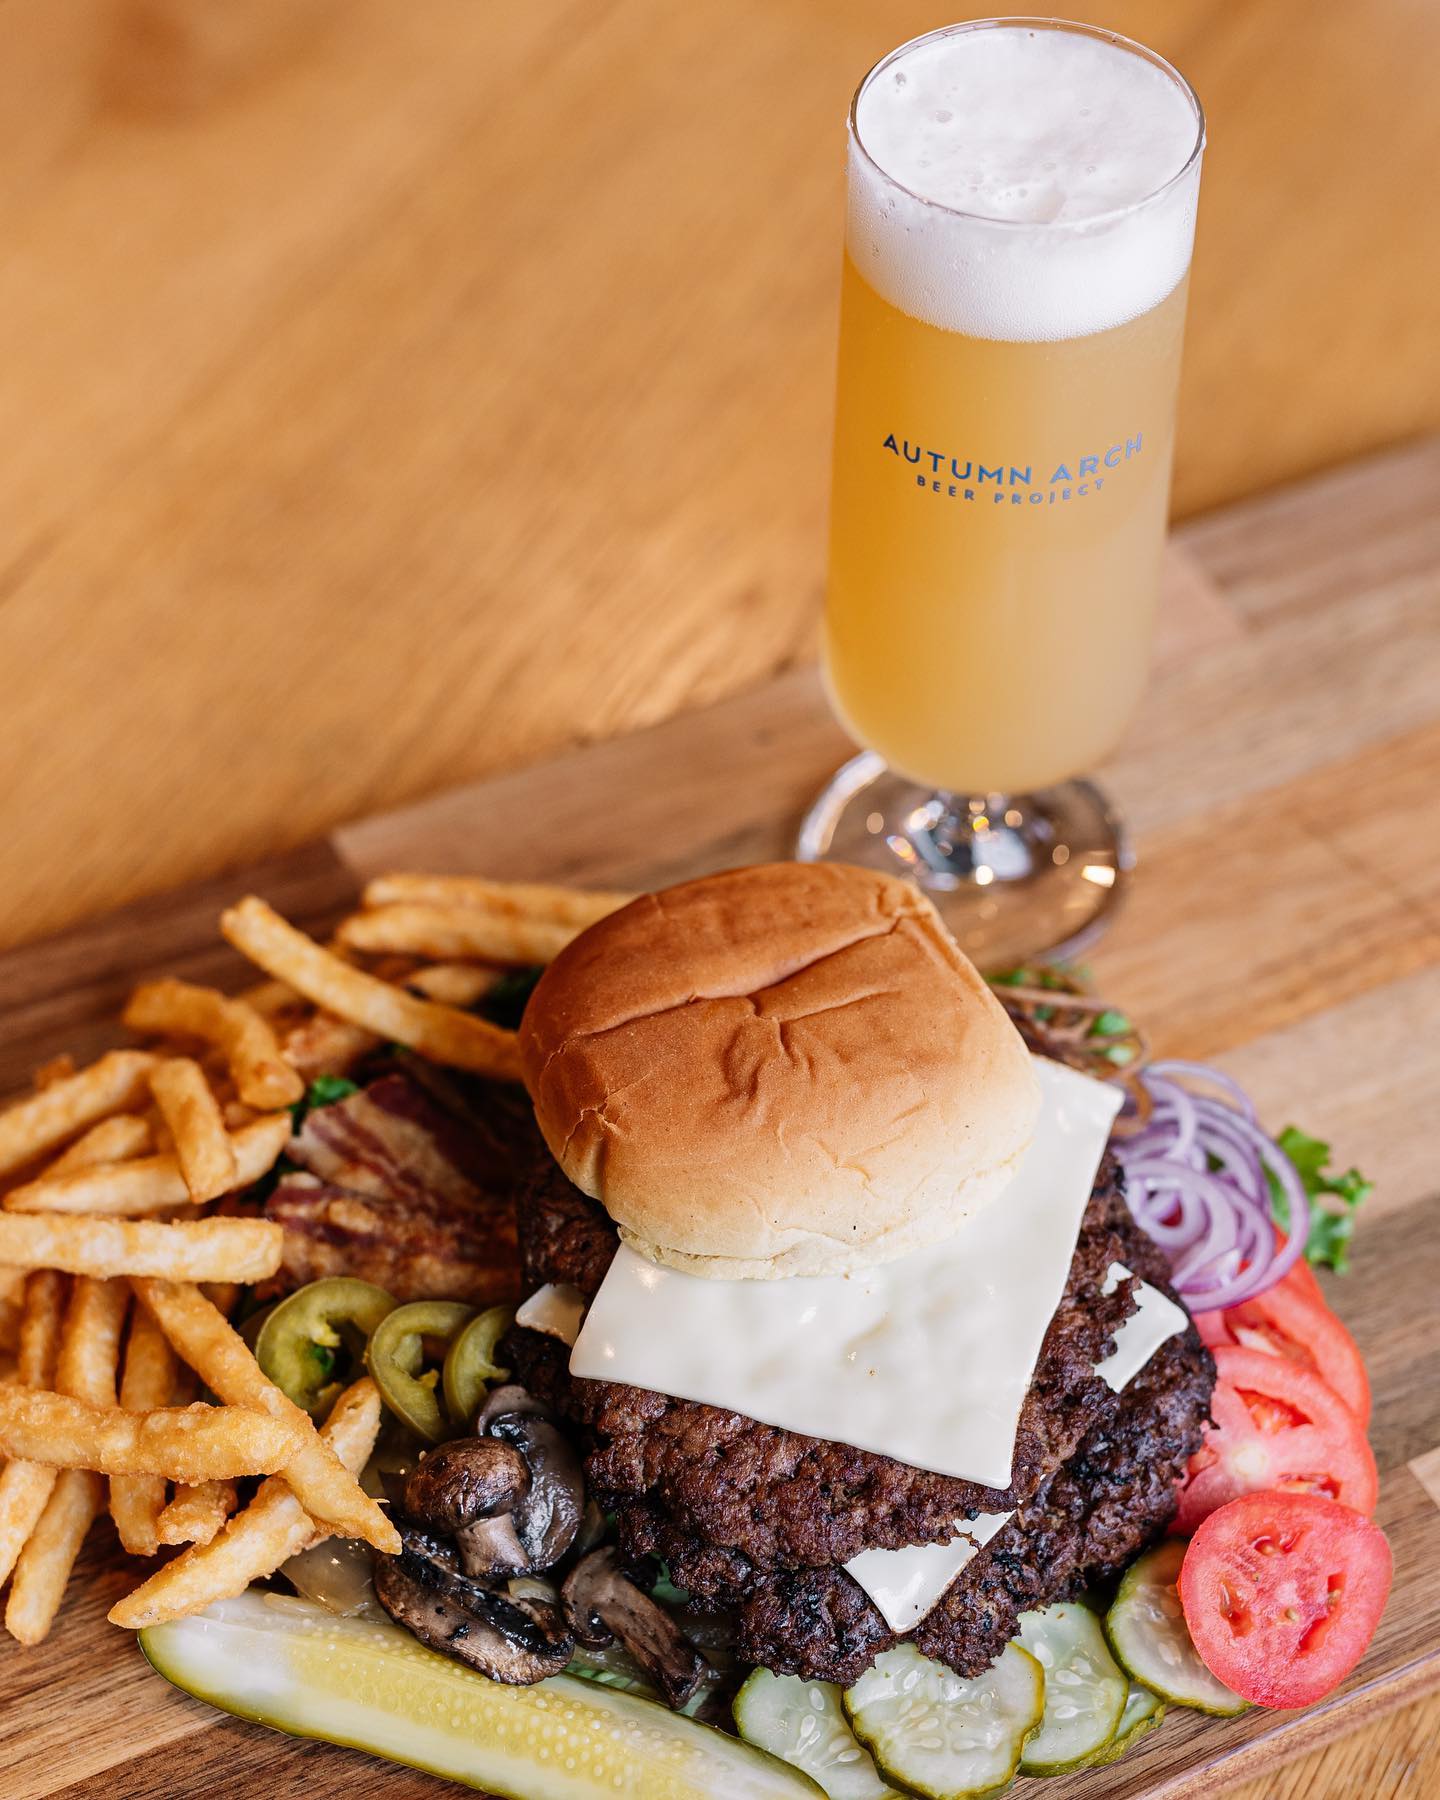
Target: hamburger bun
(784, 1070)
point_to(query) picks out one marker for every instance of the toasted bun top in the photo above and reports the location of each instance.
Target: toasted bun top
(781, 1070)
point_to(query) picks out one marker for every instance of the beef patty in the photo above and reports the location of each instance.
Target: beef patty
(758, 1519)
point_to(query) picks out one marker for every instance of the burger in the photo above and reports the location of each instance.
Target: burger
(834, 1281)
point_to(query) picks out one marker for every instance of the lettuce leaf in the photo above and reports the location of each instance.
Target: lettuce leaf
(1337, 1199)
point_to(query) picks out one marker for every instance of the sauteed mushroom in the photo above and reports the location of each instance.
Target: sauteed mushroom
(601, 1603)
(491, 1548)
(465, 1480)
(547, 1517)
(512, 1398)
(515, 1642)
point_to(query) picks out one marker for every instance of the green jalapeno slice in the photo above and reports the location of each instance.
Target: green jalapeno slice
(306, 1341)
(470, 1364)
(396, 1358)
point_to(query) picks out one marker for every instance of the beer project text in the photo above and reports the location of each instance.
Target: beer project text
(947, 477)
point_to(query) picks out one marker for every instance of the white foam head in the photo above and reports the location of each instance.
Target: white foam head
(1020, 181)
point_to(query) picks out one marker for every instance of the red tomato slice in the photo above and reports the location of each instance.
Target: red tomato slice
(1277, 1425)
(1282, 1322)
(1301, 1277)
(1282, 1594)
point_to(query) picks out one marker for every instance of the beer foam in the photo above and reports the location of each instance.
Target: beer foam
(1027, 192)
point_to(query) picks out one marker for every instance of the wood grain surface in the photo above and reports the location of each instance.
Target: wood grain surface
(399, 392)
(1285, 775)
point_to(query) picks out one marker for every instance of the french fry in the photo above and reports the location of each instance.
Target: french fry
(41, 1326)
(43, 1570)
(85, 1368)
(197, 1513)
(222, 1295)
(136, 1501)
(184, 1443)
(25, 1487)
(271, 998)
(238, 1029)
(453, 984)
(112, 1140)
(149, 1184)
(439, 1032)
(44, 1121)
(325, 1045)
(502, 899)
(219, 1356)
(456, 931)
(273, 1528)
(202, 1147)
(89, 1355)
(59, 1068)
(199, 1250)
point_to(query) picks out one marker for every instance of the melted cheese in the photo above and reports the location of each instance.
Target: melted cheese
(905, 1584)
(555, 1309)
(926, 1360)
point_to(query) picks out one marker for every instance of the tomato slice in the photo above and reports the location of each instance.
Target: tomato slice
(1301, 1277)
(1282, 1322)
(1276, 1425)
(1282, 1593)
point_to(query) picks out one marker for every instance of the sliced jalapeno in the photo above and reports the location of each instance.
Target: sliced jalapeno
(396, 1355)
(314, 1333)
(470, 1364)
(251, 1328)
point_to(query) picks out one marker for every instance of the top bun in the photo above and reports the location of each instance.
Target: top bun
(777, 1071)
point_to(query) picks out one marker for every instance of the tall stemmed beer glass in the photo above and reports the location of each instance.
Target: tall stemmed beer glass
(1021, 211)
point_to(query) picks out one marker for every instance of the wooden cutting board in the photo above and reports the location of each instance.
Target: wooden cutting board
(1284, 781)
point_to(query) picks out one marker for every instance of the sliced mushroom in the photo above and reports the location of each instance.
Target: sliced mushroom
(465, 1480)
(512, 1398)
(547, 1519)
(592, 1528)
(490, 1548)
(601, 1601)
(515, 1643)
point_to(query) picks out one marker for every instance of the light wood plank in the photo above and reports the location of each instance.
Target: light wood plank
(406, 392)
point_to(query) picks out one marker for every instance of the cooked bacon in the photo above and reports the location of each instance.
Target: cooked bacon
(398, 1190)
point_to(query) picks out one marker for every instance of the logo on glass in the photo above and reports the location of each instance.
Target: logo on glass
(1001, 483)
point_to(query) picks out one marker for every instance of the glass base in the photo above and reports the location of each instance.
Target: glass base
(1014, 876)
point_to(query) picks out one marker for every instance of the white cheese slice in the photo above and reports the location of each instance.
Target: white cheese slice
(1155, 1319)
(905, 1584)
(556, 1309)
(927, 1359)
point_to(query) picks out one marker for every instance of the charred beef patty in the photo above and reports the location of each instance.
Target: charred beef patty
(724, 1498)
(1090, 1518)
(758, 1521)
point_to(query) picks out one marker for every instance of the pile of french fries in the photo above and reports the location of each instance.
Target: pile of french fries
(118, 1274)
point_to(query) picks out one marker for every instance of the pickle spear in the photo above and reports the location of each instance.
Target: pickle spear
(290, 1664)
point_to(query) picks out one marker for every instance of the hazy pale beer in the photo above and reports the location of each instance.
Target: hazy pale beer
(1021, 212)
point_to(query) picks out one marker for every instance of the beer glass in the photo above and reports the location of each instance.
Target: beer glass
(1021, 208)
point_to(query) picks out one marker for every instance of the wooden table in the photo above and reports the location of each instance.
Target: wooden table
(400, 392)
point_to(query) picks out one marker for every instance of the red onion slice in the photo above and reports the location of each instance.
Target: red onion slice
(1196, 1182)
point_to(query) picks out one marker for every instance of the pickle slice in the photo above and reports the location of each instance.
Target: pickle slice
(1143, 1712)
(938, 1735)
(1085, 1689)
(292, 1665)
(1147, 1632)
(804, 1723)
